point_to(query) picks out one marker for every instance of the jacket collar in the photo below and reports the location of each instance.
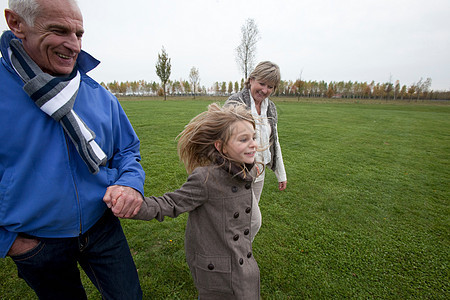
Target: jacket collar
(241, 171)
(85, 61)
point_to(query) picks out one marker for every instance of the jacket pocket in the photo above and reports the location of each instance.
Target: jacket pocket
(213, 273)
(29, 254)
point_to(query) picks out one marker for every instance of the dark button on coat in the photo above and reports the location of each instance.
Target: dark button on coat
(213, 199)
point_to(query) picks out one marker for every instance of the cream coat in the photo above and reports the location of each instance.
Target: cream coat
(217, 242)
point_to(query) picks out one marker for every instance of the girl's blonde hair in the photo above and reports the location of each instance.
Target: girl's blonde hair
(196, 142)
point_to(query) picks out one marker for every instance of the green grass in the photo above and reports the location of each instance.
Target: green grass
(365, 215)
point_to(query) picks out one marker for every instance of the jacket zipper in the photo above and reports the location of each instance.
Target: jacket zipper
(74, 183)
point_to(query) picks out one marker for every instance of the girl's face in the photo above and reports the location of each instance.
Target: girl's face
(242, 145)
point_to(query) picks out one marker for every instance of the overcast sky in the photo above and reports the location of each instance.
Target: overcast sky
(331, 40)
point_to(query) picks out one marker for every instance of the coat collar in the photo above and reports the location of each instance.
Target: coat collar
(241, 171)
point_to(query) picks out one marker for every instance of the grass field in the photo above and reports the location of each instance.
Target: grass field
(365, 215)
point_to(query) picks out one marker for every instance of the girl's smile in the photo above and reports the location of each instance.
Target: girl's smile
(241, 146)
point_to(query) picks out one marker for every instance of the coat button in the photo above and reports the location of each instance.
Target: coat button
(248, 210)
(249, 255)
(236, 237)
(234, 189)
(211, 266)
(246, 231)
(248, 185)
(241, 261)
(236, 215)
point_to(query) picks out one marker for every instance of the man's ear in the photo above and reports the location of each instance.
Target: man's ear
(15, 23)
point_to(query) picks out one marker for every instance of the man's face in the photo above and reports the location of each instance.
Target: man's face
(54, 41)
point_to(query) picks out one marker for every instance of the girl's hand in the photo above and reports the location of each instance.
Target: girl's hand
(282, 185)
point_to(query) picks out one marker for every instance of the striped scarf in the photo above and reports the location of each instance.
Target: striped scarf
(56, 96)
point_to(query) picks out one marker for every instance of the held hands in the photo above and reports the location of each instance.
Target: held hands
(124, 201)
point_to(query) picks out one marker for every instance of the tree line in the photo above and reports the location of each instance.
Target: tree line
(298, 88)
(245, 58)
(364, 90)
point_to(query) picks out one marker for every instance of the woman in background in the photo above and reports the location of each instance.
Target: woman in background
(261, 83)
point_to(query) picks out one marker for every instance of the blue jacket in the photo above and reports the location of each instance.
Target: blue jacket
(46, 189)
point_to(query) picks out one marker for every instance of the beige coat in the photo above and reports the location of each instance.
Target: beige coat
(217, 242)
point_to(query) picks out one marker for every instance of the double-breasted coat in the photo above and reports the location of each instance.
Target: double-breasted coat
(217, 240)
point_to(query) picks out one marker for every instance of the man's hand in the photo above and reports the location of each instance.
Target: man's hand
(22, 245)
(124, 201)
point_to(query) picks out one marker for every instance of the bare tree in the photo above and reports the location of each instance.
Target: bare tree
(426, 87)
(246, 51)
(419, 86)
(194, 77)
(163, 69)
(299, 84)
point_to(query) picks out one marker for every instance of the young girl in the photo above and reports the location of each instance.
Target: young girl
(218, 150)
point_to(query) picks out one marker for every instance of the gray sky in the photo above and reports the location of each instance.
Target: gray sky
(331, 40)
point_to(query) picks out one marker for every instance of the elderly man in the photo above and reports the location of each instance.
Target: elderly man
(66, 145)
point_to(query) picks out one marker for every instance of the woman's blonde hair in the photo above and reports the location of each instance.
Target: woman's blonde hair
(196, 143)
(267, 72)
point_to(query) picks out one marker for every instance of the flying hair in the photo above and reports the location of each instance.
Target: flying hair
(196, 143)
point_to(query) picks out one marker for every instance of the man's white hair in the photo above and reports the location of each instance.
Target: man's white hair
(28, 9)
